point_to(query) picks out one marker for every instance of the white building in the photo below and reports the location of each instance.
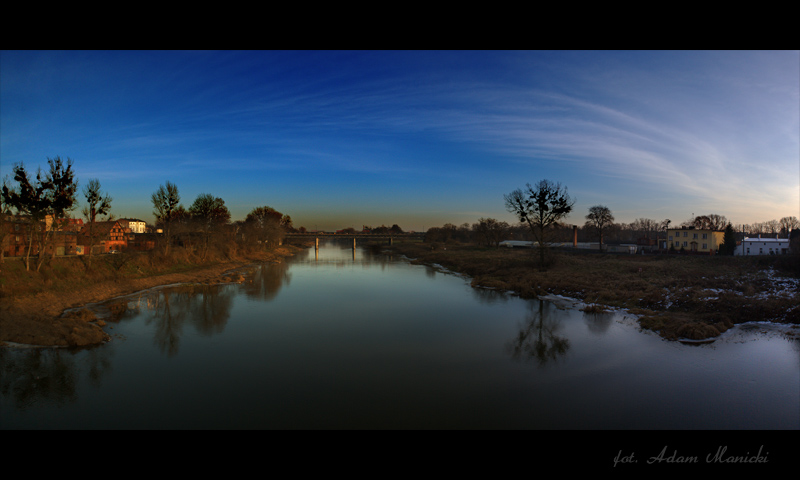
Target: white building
(763, 246)
(136, 225)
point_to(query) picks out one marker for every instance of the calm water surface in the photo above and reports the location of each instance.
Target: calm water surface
(336, 339)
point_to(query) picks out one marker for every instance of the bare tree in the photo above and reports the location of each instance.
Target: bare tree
(165, 201)
(645, 226)
(598, 219)
(788, 224)
(266, 225)
(62, 196)
(210, 214)
(490, 231)
(772, 226)
(711, 221)
(96, 204)
(30, 201)
(541, 207)
(717, 222)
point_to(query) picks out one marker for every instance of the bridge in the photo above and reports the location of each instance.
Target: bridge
(391, 236)
(357, 235)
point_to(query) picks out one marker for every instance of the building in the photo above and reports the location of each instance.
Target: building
(763, 246)
(694, 240)
(136, 225)
(63, 240)
(108, 236)
(64, 224)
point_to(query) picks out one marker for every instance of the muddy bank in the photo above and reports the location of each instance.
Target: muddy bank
(679, 297)
(55, 319)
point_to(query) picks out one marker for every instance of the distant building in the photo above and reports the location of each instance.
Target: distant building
(64, 224)
(136, 225)
(763, 246)
(695, 240)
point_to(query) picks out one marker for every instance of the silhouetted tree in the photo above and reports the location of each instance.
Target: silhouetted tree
(165, 201)
(30, 201)
(490, 231)
(788, 224)
(728, 246)
(62, 193)
(96, 204)
(541, 207)
(209, 214)
(266, 225)
(598, 219)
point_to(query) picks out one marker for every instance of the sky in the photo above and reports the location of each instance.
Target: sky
(339, 139)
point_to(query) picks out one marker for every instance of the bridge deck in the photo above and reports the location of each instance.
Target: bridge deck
(351, 235)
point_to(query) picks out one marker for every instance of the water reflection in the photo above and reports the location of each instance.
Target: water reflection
(351, 346)
(265, 281)
(598, 323)
(489, 296)
(340, 252)
(168, 311)
(38, 376)
(538, 338)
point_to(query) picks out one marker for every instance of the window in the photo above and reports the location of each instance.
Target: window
(685, 234)
(670, 238)
(684, 244)
(705, 246)
(694, 235)
(705, 236)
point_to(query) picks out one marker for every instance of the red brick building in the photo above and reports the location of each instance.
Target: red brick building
(108, 236)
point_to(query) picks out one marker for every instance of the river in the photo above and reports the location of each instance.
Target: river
(337, 339)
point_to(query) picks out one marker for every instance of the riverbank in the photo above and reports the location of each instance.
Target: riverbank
(43, 308)
(678, 296)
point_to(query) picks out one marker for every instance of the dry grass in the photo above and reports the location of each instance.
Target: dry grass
(31, 303)
(679, 296)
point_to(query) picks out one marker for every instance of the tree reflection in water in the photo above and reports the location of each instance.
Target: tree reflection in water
(538, 339)
(265, 282)
(38, 375)
(205, 307)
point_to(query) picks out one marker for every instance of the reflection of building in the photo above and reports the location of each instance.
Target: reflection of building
(763, 246)
(692, 239)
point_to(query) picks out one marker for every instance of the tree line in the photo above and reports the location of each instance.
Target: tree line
(204, 227)
(542, 208)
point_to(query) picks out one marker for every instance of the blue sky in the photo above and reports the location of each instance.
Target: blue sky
(340, 139)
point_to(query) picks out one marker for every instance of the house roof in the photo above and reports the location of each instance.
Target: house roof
(100, 228)
(773, 240)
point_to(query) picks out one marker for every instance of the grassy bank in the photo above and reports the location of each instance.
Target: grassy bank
(32, 303)
(678, 296)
